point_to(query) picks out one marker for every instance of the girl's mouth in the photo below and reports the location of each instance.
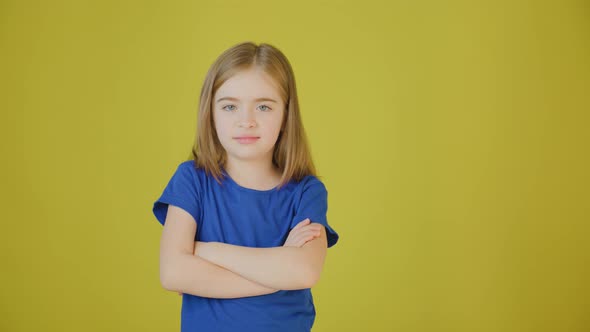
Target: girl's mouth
(246, 139)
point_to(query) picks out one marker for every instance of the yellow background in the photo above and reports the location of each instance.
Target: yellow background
(452, 137)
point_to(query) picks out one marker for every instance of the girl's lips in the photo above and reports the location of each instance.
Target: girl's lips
(246, 140)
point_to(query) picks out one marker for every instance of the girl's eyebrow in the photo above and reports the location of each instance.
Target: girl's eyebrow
(257, 99)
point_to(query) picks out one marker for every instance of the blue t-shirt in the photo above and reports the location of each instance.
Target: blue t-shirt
(237, 215)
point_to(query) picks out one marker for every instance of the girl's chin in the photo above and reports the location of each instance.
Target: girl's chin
(246, 155)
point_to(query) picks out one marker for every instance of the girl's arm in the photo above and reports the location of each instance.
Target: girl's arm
(284, 267)
(198, 276)
(181, 271)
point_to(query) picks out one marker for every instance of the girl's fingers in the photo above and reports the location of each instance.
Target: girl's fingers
(307, 239)
(302, 238)
(303, 232)
(304, 226)
(301, 223)
(311, 230)
(299, 240)
(314, 227)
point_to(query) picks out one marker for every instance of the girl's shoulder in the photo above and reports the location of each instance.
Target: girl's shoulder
(310, 180)
(190, 171)
(311, 184)
(189, 165)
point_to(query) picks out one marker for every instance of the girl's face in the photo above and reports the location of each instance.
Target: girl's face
(248, 113)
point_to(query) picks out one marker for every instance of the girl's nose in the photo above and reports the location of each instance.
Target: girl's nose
(247, 124)
(247, 119)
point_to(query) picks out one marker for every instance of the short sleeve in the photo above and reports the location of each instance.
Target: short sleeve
(181, 191)
(314, 205)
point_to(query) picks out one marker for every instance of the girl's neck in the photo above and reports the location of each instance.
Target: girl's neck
(253, 175)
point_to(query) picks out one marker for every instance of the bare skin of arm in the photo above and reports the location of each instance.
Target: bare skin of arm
(182, 271)
(286, 267)
(205, 278)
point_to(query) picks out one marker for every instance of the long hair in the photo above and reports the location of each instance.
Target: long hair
(291, 154)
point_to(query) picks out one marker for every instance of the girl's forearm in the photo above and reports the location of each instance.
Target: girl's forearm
(277, 268)
(197, 276)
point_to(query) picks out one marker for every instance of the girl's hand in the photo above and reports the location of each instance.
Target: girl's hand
(298, 236)
(302, 233)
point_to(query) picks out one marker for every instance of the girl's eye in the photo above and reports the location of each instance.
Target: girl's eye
(263, 108)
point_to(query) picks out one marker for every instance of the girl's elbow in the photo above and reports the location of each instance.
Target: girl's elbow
(312, 277)
(168, 276)
(300, 279)
(313, 269)
(166, 280)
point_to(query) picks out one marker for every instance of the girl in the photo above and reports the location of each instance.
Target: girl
(245, 232)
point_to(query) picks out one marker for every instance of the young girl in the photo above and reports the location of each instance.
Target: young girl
(245, 232)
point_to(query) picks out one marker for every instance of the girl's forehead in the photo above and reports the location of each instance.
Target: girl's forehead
(248, 84)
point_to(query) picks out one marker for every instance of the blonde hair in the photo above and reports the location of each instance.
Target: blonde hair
(291, 154)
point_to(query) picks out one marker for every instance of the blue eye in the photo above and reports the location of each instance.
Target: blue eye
(264, 108)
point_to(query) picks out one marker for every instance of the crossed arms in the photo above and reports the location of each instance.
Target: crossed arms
(220, 270)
